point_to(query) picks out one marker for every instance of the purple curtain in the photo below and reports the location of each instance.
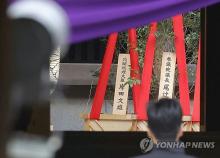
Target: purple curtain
(94, 18)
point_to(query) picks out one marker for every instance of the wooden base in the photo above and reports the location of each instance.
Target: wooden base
(114, 122)
(191, 126)
(128, 122)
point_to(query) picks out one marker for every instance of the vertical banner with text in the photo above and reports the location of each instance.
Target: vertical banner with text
(121, 88)
(167, 75)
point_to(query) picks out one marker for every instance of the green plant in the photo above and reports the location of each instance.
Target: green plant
(165, 42)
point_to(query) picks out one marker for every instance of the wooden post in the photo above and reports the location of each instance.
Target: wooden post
(121, 88)
(167, 75)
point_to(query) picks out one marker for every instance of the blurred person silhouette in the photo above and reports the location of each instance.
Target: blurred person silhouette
(164, 123)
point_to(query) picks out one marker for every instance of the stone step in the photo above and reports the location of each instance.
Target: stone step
(86, 73)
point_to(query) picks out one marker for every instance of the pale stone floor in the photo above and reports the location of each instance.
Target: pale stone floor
(66, 109)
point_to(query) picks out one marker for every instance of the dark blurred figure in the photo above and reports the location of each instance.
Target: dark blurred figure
(33, 37)
(164, 122)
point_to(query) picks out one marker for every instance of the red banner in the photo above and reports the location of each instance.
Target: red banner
(196, 107)
(103, 77)
(147, 74)
(135, 69)
(181, 64)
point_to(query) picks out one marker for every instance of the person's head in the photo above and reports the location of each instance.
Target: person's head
(164, 119)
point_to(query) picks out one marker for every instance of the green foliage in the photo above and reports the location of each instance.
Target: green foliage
(165, 42)
(192, 32)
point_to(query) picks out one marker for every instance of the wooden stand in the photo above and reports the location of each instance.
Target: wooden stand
(128, 122)
(190, 126)
(114, 122)
(119, 120)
